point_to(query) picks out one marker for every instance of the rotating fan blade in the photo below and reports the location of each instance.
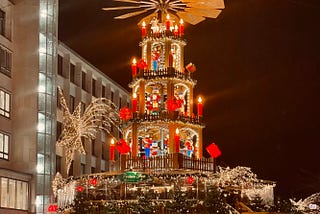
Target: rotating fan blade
(128, 15)
(190, 18)
(204, 12)
(121, 8)
(128, 1)
(217, 4)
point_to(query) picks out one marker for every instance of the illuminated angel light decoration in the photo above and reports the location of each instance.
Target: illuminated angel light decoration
(101, 114)
(191, 11)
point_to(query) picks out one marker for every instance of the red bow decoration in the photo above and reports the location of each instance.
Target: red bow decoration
(213, 150)
(52, 208)
(125, 114)
(122, 147)
(142, 64)
(191, 67)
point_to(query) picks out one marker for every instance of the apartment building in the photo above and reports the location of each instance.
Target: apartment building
(32, 65)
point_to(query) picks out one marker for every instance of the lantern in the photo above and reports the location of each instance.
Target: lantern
(213, 150)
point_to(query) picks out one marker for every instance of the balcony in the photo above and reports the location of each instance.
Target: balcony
(164, 163)
(169, 72)
(167, 116)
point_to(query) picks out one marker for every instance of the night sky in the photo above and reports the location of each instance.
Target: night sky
(258, 68)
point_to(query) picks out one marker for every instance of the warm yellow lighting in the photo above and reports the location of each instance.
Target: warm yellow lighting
(168, 16)
(177, 131)
(181, 21)
(199, 100)
(143, 24)
(134, 61)
(134, 95)
(112, 141)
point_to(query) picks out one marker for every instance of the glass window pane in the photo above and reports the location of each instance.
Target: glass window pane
(4, 192)
(12, 193)
(19, 195)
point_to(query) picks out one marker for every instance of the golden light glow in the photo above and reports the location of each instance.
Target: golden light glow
(143, 24)
(177, 131)
(134, 61)
(112, 142)
(181, 21)
(199, 100)
(134, 95)
(168, 16)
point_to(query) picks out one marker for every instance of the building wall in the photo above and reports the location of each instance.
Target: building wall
(76, 90)
(27, 160)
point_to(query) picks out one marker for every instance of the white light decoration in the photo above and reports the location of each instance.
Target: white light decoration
(100, 114)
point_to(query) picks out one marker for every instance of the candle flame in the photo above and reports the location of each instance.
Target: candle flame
(134, 95)
(176, 27)
(199, 100)
(177, 131)
(112, 141)
(143, 24)
(168, 16)
(134, 61)
(181, 21)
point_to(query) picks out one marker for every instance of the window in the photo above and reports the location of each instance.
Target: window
(14, 194)
(103, 94)
(112, 96)
(83, 80)
(58, 163)
(2, 22)
(83, 107)
(103, 152)
(60, 65)
(92, 147)
(58, 130)
(71, 106)
(120, 102)
(58, 99)
(82, 169)
(94, 87)
(93, 170)
(5, 104)
(4, 146)
(72, 72)
(5, 61)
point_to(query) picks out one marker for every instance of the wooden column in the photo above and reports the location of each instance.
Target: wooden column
(134, 139)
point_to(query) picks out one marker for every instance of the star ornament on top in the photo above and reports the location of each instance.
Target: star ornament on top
(101, 114)
(191, 11)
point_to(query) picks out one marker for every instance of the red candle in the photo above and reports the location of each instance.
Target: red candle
(134, 67)
(200, 107)
(176, 30)
(177, 141)
(112, 150)
(134, 102)
(181, 28)
(143, 29)
(168, 22)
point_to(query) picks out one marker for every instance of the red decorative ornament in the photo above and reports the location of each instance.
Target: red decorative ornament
(125, 114)
(213, 150)
(190, 180)
(191, 67)
(52, 208)
(93, 181)
(122, 147)
(142, 64)
(79, 188)
(177, 141)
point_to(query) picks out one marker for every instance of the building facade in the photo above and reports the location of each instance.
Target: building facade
(29, 116)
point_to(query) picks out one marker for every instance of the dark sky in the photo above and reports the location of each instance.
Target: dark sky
(258, 67)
